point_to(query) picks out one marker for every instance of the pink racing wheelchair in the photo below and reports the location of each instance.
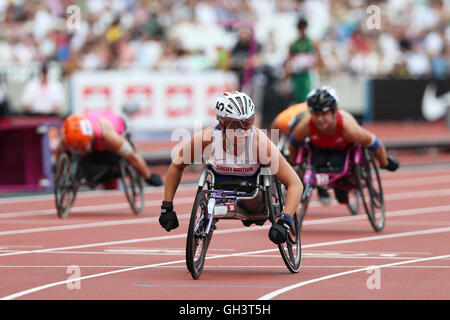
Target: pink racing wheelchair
(359, 176)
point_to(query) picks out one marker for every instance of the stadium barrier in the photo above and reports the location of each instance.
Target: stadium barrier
(26, 148)
(151, 101)
(408, 100)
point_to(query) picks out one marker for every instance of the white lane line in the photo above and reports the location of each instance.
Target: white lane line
(397, 213)
(274, 255)
(416, 181)
(247, 266)
(275, 293)
(100, 244)
(184, 200)
(408, 212)
(347, 241)
(398, 175)
(417, 194)
(89, 208)
(79, 226)
(86, 194)
(399, 196)
(312, 266)
(63, 266)
(54, 284)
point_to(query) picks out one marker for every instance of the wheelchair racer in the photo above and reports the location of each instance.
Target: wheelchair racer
(330, 131)
(285, 122)
(96, 131)
(224, 146)
(288, 118)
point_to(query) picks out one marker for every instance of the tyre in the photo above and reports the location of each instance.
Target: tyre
(353, 202)
(65, 186)
(371, 191)
(197, 241)
(291, 249)
(132, 184)
(304, 203)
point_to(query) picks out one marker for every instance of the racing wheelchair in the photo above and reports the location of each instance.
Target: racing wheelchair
(216, 200)
(358, 175)
(74, 171)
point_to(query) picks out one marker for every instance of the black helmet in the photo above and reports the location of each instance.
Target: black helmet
(322, 99)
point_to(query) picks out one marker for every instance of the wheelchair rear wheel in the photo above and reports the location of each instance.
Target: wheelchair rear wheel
(133, 186)
(65, 188)
(304, 203)
(371, 191)
(291, 249)
(197, 241)
(354, 202)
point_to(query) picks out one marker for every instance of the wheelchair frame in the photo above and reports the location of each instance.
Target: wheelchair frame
(359, 174)
(68, 180)
(202, 224)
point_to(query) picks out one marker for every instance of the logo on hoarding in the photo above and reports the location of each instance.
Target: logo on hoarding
(138, 101)
(179, 101)
(96, 97)
(433, 107)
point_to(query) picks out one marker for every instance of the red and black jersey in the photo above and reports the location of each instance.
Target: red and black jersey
(334, 142)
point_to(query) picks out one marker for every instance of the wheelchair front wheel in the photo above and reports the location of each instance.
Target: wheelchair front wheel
(132, 184)
(371, 192)
(291, 249)
(65, 189)
(197, 241)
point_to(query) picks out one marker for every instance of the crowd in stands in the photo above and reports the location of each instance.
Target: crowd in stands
(411, 38)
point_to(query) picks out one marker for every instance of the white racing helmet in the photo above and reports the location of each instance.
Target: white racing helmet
(236, 113)
(235, 105)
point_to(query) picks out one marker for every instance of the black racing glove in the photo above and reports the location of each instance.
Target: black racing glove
(154, 180)
(168, 218)
(393, 164)
(278, 233)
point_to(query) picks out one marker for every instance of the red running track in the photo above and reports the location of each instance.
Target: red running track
(102, 251)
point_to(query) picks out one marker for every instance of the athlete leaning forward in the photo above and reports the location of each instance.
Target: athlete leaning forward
(235, 148)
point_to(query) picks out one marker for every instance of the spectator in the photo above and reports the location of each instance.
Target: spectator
(121, 33)
(4, 106)
(417, 62)
(245, 57)
(43, 96)
(302, 58)
(440, 64)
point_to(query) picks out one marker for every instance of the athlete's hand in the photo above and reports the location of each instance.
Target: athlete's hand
(168, 218)
(393, 164)
(154, 180)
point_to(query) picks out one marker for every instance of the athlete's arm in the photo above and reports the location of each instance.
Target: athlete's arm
(60, 148)
(353, 132)
(297, 137)
(269, 155)
(185, 156)
(114, 142)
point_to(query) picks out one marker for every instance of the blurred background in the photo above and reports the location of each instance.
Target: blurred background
(160, 64)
